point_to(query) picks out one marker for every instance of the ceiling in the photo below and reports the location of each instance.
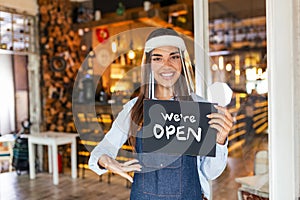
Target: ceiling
(217, 8)
(236, 8)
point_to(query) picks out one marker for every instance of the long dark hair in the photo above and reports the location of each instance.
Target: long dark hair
(137, 116)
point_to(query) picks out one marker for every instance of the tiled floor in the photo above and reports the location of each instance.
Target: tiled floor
(13, 187)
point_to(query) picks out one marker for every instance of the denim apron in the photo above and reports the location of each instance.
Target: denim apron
(165, 177)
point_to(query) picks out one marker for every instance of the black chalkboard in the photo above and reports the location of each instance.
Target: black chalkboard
(178, 127)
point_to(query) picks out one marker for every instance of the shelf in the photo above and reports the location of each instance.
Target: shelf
(221, 49)
(133, 14)
(17, 32)
(230, 35)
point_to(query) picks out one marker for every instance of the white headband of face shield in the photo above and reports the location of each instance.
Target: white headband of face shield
(164, 40)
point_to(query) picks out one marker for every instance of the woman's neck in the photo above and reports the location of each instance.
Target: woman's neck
(164, 93)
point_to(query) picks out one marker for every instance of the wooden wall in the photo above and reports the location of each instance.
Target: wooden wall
(59, 41)
(59, 45)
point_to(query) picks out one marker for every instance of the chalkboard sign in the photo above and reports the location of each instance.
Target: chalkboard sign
(178, 127)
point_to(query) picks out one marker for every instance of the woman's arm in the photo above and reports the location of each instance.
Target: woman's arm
(212, 167)
(222, 121)
(105, 152)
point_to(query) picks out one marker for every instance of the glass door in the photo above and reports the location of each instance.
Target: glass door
(238, 57)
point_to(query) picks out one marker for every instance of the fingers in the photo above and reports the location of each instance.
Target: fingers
(123, 174)
(224, 115)
(130, 162)
(221, 133)
(225, 111)
(226, 125)
(220, 119)
(136, 167)
(127, 176)
(120, 168)
(117, 167)
(131, 165)
(222, 122)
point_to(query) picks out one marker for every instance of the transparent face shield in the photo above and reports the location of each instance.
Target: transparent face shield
(167, 72)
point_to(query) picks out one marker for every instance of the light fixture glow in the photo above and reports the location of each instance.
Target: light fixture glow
(131, 54)
(228, 67)
(221, 63)
(80, 32)
(251, 74)
(259, 71)
(214, 67)
(114, 47)
(83, 48)
(237, 72)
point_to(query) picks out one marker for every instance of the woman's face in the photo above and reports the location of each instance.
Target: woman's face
(166, 65)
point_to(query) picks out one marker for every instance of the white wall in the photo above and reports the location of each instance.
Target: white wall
(283, 62)
(30, 6)
(297, 92)
(7, 99)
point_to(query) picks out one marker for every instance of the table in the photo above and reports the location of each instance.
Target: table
(257, 185)
(52, 140)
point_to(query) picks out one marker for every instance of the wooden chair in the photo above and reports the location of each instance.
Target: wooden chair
(261, 162)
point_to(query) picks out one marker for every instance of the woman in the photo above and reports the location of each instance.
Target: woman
(167, 75)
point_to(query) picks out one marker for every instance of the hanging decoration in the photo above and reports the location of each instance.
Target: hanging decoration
(121, 9)
(102, 34)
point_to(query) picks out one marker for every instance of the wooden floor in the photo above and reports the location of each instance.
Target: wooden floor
(14, 187)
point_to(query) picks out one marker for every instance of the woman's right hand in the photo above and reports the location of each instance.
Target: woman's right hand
(120, 168)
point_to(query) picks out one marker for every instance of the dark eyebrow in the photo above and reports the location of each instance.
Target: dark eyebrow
(175, 52)
(156, 54)
(172, 53)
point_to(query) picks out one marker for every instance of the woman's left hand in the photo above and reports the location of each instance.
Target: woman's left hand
(222, 122)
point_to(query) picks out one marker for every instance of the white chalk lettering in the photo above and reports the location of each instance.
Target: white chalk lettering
(185, 118)
(167, 116)
(196, 135)
(179, 132)
(156, 133)
(192, 119)
(178, 117)
(170, 130)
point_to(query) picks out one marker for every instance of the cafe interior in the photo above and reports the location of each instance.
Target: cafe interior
(69, 66)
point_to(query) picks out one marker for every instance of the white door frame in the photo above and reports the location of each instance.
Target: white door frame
(282, 61)
(201, 40)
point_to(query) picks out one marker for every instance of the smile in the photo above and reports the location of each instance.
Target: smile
(167, 74)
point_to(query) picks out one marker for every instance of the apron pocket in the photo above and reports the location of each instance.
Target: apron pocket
(162, 174)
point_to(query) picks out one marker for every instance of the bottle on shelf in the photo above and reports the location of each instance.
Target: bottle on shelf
(103, 96)
(88, 88)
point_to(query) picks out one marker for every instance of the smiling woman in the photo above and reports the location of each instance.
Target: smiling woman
(167, 74)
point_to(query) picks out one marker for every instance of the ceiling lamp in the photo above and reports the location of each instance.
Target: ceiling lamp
(131, 54)
(228, 67)
(221, 63)
(214, 67)
(114, 46)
